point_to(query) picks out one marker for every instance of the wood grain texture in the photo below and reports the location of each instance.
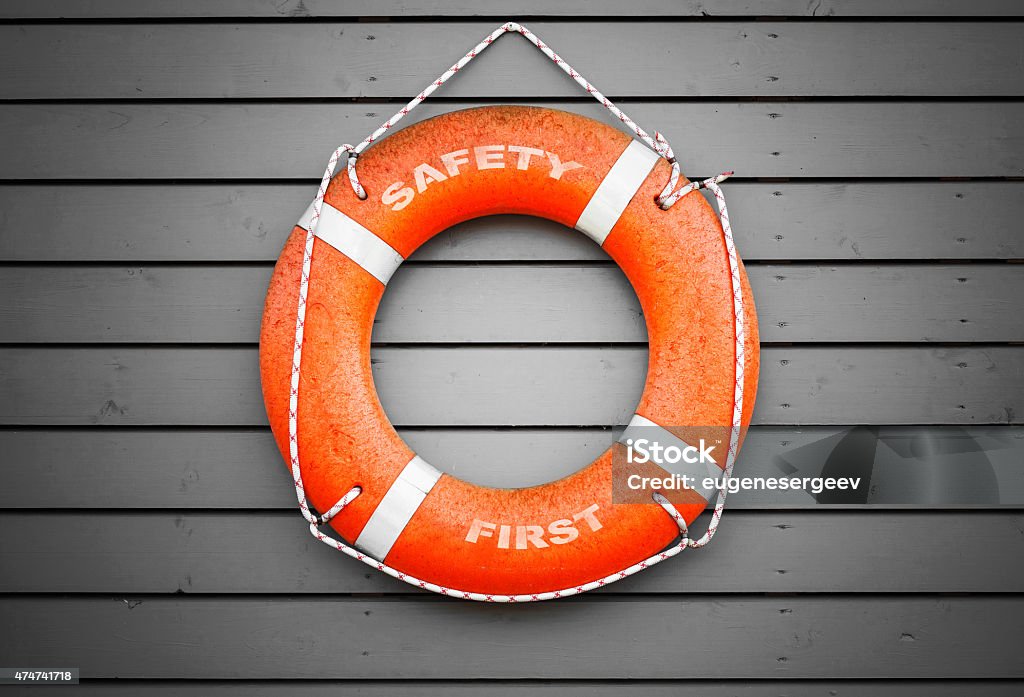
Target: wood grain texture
(249, 222)
(511, 386)
(513, 304)
(535, 688)
(940, 468)
(756, 552)
(211, 637)
(298, 9)
(155, 154)
(116, 61)
(292, 141)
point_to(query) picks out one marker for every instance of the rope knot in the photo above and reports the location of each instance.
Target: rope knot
(668, 197)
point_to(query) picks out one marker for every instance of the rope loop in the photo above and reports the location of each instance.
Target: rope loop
(319, 519)
(353, 176)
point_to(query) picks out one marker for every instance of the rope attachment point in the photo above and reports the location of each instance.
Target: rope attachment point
(318, 519)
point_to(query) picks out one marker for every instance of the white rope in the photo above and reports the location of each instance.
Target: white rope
(300, 321)
(658, 144)
(668, 197)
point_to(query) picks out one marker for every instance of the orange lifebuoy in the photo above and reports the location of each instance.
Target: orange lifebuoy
(422, 180)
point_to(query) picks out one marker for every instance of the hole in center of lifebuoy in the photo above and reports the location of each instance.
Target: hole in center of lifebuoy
(506, 350)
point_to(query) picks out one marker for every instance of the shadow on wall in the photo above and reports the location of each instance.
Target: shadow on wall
(901, 466)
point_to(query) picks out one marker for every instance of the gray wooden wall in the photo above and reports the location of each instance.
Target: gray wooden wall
(153, 156)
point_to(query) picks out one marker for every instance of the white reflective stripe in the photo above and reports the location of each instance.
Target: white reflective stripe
(353, 240)
(397, 508)
(616, 191)
(641, 427)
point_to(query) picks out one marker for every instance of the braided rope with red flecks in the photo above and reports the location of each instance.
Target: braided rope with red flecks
(668, 197)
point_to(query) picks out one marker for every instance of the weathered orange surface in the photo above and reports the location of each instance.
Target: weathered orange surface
(675, 260)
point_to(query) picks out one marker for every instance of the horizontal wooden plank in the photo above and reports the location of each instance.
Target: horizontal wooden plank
(512, 304)
(945, 467)
(511, 386)
(531, 688)
(118, 61)
(281, 141)
(755, 552)
(249, 222)
(114, 9)
(323, 638)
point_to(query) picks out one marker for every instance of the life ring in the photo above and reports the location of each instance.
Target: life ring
(424, 179)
